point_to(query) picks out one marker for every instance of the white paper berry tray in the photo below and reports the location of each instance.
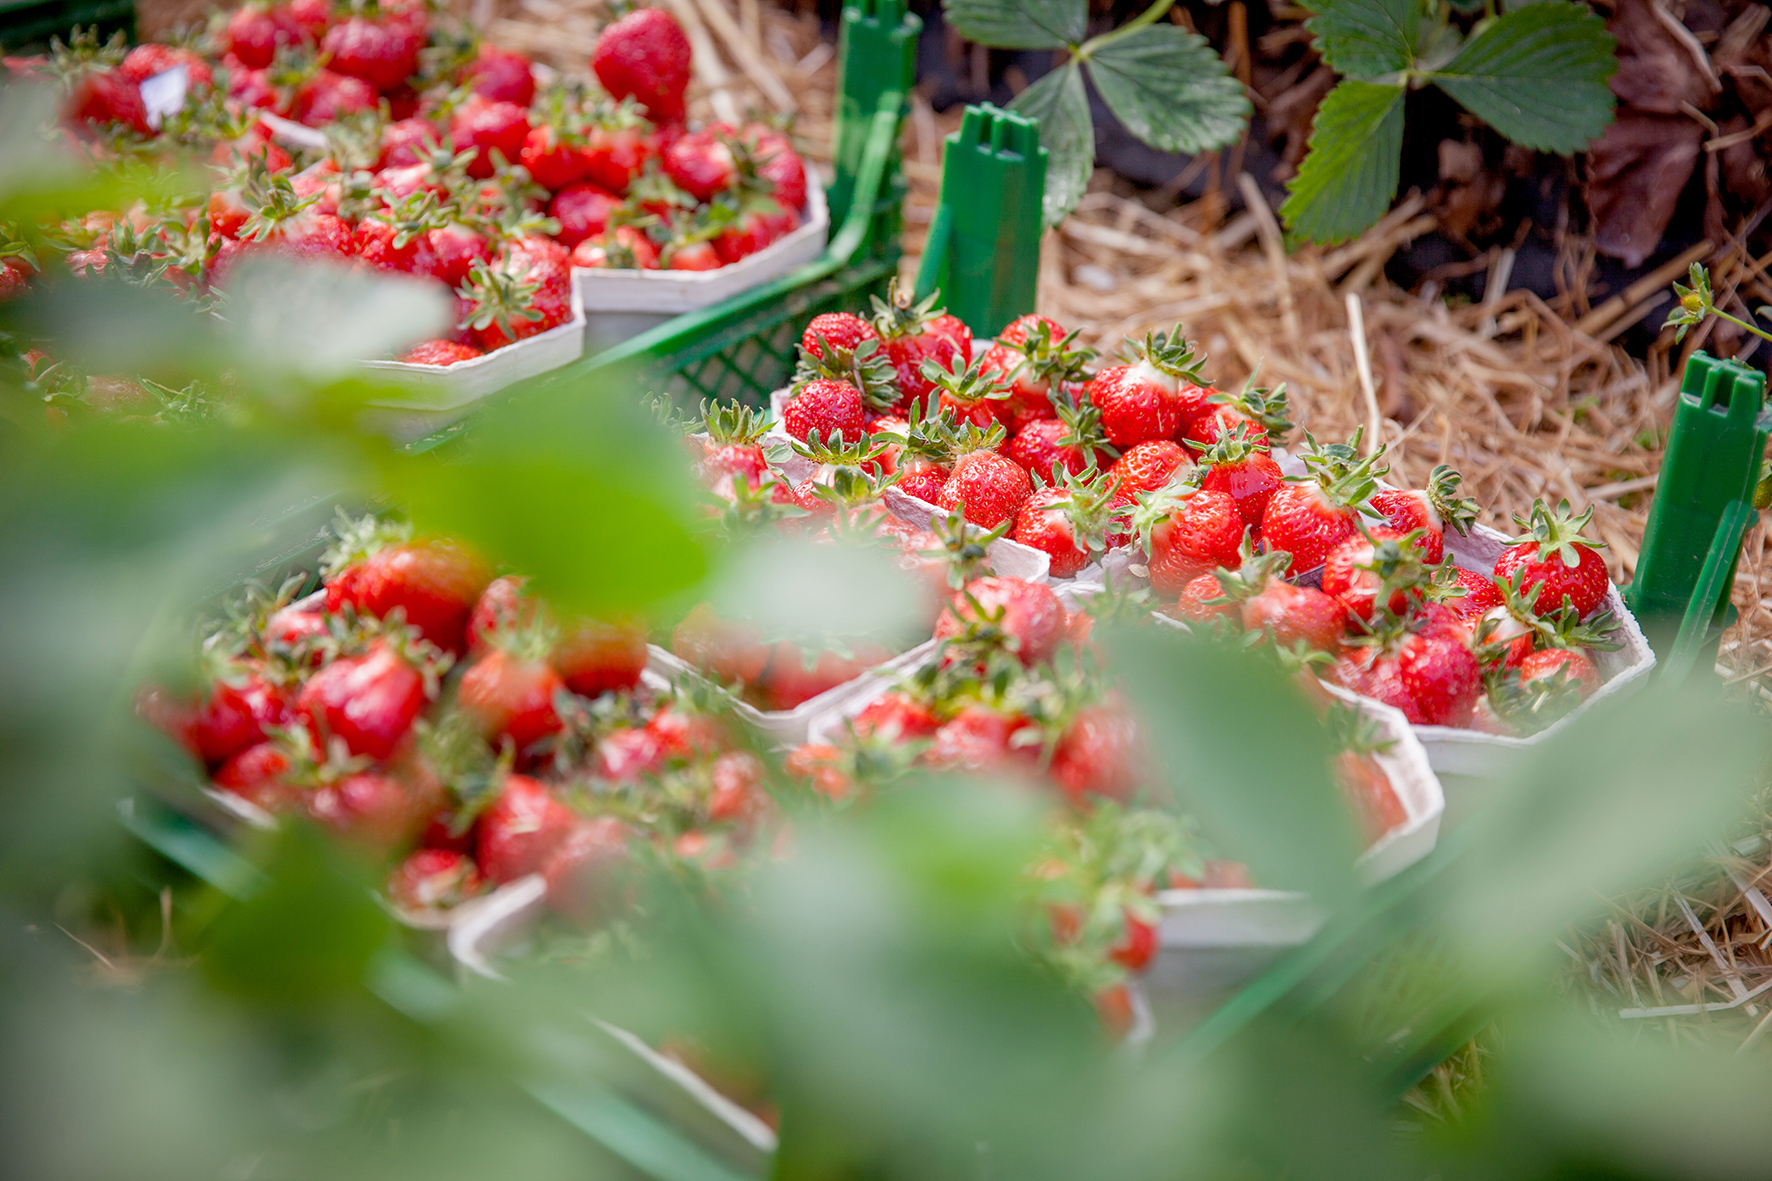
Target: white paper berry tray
(624, 303)
(440, 394)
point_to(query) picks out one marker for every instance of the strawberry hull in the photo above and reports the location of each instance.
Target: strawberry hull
(620, 304)
(441, 394)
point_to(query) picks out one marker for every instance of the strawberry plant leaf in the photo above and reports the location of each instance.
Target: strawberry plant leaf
(1019, 24)
(1170, 89)
(1347, 181)
(1066, 132)
(1538, 75)
(1366, 39)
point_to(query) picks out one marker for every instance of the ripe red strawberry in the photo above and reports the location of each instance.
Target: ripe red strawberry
(623, 248)
(966, 394)
(1429, 673)
(701, 164)
(1368, 790)
(842, 330)
(254, 32)
(328, 97)
(831, 408)
(509, 691)
(990, 488)
(498, 75)
(757, 226)
(1137, 946)
(595, 658)
(923, 477)
(794, 676)
(370, 808)
(1148, 466)
(148, 61)
(1204, 599)
(1310, 517)
(1358, 569)
(454, 249)
(616, 151)
(896, 717)
(977, 739)
(295, 625)
(259, 775)
(582, 210)
(1154, 397)
(368, 702)
(733, 452)
(313, 17)
(1098, 755)
(584, 871)
(690, 254)
(1550, 662)
(384, 53)
(1550, 555)
(645, 56)
(1430, 509)
(1242, 471)
(728, 651)
(1257, 416)
(1068, 521)
(1480, 594)
(494, 130)
(914, 333)
(1291, 614)
(1026, 616)
(375, 570)
(434, 879)
(1187, 532)
(1039, 364)
(554, 161)
(439, 352)
(240, 704)
(521, 296)
(520, 831)
(106, 97)
(502, 607)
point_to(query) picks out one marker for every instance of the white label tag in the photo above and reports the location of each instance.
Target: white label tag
(164, 94)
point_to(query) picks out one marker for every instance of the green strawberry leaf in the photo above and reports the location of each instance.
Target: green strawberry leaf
(1066, 132)
(1366, 39)
(1347, 181)
(1170, 89)
(1019, 24)
(1538, 75)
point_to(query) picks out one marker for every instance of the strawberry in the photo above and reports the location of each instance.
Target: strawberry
(554, 157)
(923, 478)
(842, 329)
(978, 739)
(255, 31)
(1420, 668)
(1187, 532)
(1154, 397)
(1204, 600)
(733, 451)
(376, 569)
(1511, 632)
(582, 210)
(645, 56)
(1549, 555)
(988, 487)
(1479, 597)
(1137, 946)
(498, 75)
(1073, 441)
(520, 831)
(1148, 466)
(1068, 521)
(1543, 666)
(504, 605)
(701, 164)
(260, 775)
(728, 651)
(148, 61)
(368, 702)
(520, 297)
(1025, 617)
(584, 871)
(312, 17)
(385, 243)
(440, 353)
(794, 676)
(509, 691)
(1309, 517)
(778, 167)
(1383, 564)
(1242, 471)
(494, 131)
(328, 96)
(234, 715)
(896, 717)
(1357, 771)
(968, 394)
(1038, 362)
(685, 253)
(594, 658)
(622, 247)
(454, 249)
(384, 53)
(758, 224)
(1292, 614)
(106, 97)
(831, 409)
(434, 879)
(1256, 416)
(1430, 509)
(1098, 755)
(616, 150)
(370, 808)
(913, 334)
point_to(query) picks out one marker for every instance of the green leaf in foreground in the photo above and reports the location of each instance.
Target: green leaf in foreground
(1366, 38)
(1066, 132)
(1019, 24)
(1170, 89)
(1538, 75)
(1347, 181)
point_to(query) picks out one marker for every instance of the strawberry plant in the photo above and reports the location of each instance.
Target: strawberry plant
(1536, 73)
(1164, 83)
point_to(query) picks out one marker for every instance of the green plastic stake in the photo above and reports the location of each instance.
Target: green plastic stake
(876, 56)
(1712, 462)
(983, 252)
(1702, 628)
